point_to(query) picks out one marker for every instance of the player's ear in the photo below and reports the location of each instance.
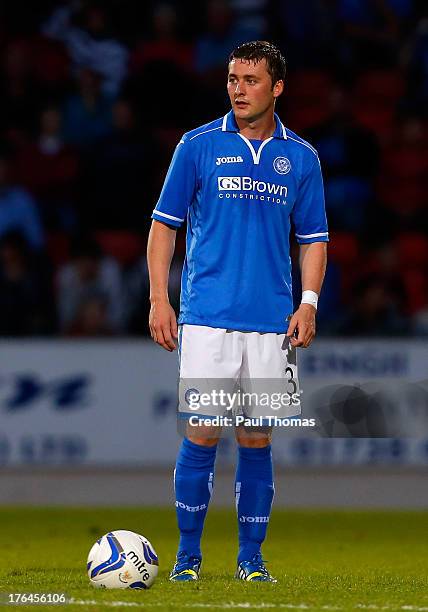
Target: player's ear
(278, 88)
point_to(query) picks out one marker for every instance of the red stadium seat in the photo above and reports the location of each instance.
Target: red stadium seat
(126, 247)
(378, 119)
(343, 249)
(375, 97)
(416, 286)
(409, 167)
(308, 103)
(382, 85)
(305, 117)
(310, 84)
(412, 250)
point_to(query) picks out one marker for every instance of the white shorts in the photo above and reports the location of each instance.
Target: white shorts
(261, 365)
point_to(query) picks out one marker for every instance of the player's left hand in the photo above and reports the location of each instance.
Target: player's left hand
(303, 324)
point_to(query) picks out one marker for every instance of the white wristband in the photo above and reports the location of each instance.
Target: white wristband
(310, 297)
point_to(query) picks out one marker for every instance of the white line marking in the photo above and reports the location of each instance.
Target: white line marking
(244, 605)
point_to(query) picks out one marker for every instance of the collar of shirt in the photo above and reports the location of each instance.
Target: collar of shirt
(229, 125)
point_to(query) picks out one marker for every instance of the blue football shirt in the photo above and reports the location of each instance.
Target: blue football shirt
(238, 199)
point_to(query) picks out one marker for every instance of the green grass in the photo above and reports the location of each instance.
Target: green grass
(347, 560)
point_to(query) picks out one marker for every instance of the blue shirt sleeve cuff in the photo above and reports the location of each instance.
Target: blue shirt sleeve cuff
(309, 238)
(167, 219)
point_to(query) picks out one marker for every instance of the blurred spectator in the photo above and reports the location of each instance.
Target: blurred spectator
(90, 42)
(164, 43)
(87, 114)
(420, 323)
(91, 318)
(18, 210)
(417, 100)
(223, 34)
(119, 174)
(371, 29)
(406, 160)
(377, 300)
(310, 32)
(253, 15)
(26, 306)
(412, 254)
(90, 291)
(163, 57)
(349, 157)
(20, 94)
(376, 309)
(48, 168)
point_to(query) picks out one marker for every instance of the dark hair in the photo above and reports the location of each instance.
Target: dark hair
(256, 50)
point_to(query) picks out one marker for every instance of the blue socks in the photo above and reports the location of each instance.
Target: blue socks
(254, 492)
(193, 483)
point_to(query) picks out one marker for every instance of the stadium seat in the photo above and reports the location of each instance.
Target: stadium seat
(378, 119)
(344, 252)
(375, 98)
(308, 100)
(413, 250)
(409, 167)
(124, 246)
(310, 84)
(416, 287)
(343, 249)
(382, 85)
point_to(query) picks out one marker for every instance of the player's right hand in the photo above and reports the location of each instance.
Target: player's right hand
(163, 324)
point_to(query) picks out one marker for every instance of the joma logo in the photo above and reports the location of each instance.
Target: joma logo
(254, 519)
(190, 508)
(229, 160)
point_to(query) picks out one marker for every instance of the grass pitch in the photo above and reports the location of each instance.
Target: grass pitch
(323, 560)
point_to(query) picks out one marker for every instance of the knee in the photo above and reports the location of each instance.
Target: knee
(203, 441)
(255, 437)
(204, 435)
(254, 442)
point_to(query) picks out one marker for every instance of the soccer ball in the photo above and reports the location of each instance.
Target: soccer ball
(122, 559)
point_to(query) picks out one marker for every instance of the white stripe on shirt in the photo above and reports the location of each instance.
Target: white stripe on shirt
(157, 212)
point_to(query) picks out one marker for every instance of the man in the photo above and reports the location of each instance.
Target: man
(238, 180)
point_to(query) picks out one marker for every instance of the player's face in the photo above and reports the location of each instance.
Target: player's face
(249, 86)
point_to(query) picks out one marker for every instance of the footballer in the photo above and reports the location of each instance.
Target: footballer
(239, 181)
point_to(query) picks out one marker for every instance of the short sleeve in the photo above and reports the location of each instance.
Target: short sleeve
(179, 187)
(308, 213)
